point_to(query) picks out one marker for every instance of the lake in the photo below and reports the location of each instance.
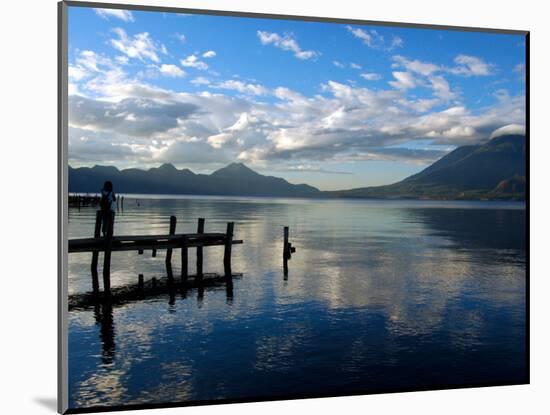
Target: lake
(380, 296)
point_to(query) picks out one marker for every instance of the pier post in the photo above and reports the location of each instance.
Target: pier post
(200, 230)
(184, 260)
(154, 283)
(286, 250)
(121, 202)
(140, 282)
(171, 231)
(227, 250)
(95, 254)
(107, 254)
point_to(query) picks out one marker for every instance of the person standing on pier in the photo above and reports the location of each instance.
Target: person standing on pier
(108, 205)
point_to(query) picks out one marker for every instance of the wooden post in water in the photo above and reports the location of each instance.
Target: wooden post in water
(140, 282)
(227, 250)
(171, 231)
(285, 245)
(107, 255)
(121, 202)
(95, 254)
(154, 252)
(200, 229)
(154, 283)
(184, 260)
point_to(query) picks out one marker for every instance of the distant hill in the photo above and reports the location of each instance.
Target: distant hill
(234, 180)
(494, 170)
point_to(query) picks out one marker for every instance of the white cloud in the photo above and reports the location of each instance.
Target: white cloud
(254, 89)
(375, 40)
(403, 80)
(117, 13)
(416, 66)
(520, 69)
(355, 66)
(471, 66)
(192, 61)
(285, 42)
(508, 129)
(146, 124)
(370, 76)
(77, 73)
(172, 71)
(200, 80)
(338, 64)
(209, 54)
(180, 37)
(140, 46)
(396, 42)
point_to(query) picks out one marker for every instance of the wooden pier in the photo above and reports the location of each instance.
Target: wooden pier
(110, 243)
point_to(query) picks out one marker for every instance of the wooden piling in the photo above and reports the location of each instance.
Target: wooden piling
(140, 282)
(200, 230)
(121, 202)
(184, 260)
(154, 283)
(227, 250)
(286, 250)
(171, 231)
(154, 253)
(107, 255)
(95, 254)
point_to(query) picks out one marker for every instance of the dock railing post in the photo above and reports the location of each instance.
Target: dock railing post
(171, 231)
(184, 260)
(95, 254)
(200, 230)
(227, 250)
(286, 252)
(107, 255)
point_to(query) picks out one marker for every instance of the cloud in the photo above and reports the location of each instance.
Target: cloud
(309, 168)
(426, 74)
(147, 124)
(254, 89)
(141, 117)
(403, 80)
(200, 80)
(172, 71)
(209, 54)
(338, 64)
(140, 46)
(116, 13)
(396, 42)
(415, 65)
(192, 61)
(520, 69)
(180, 37)
(285, 42)
(374, 40)
(370, 76)
(508, 129)
(355, 66)
(471, 66)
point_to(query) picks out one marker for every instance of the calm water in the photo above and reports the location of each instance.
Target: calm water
(380, 295)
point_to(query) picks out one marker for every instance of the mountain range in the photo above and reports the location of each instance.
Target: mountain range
(493, 170)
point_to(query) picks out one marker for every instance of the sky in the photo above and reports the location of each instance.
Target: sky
(332, 105)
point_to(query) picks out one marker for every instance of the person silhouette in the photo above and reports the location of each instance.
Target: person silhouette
(108, 206)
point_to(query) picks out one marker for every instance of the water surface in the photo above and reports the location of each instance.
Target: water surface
(380, 295)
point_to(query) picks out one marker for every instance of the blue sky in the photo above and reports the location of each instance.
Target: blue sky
(332, 105)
